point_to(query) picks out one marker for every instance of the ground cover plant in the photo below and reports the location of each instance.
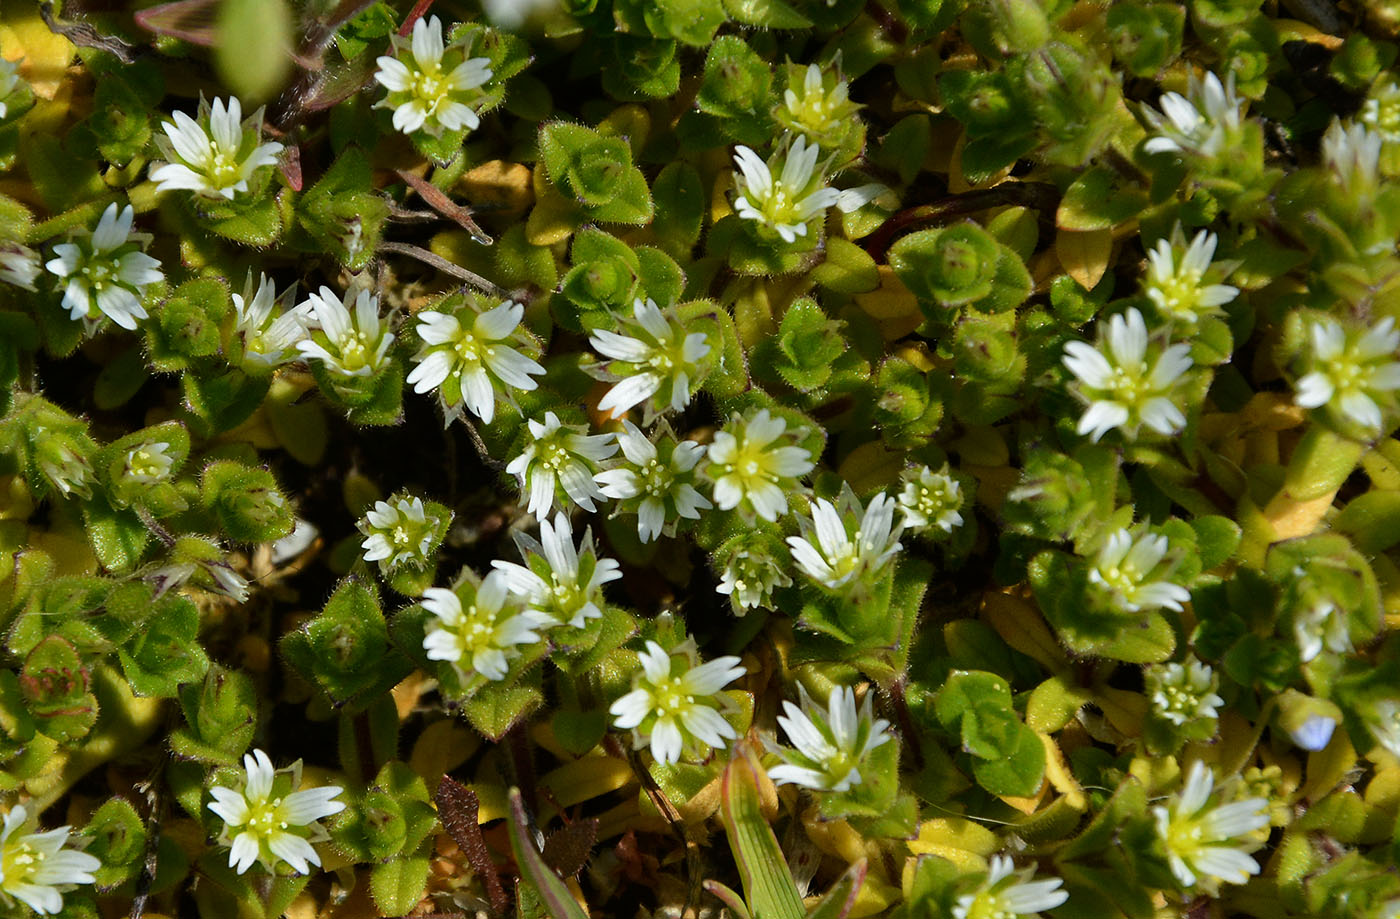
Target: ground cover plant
(698, 458)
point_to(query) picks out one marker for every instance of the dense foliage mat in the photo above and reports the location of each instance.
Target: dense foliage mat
(696, 458)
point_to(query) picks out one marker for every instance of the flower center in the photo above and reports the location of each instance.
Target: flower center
(671, 697)
(19, 864)
(988, 905)
(1181, 294)
(222, 170)
(354, 350)
(476, 630)
(265, 817)
(658, 478)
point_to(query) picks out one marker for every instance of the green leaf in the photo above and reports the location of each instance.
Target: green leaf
(186, 326)
(841, 898)
(118, 537)
(766, 14)
(847, 269)
(1018, 769)
(118, 840)
(398, 884)
(737, 82)
(1216, 540)
(55, 686)
(680, 208)
(220, 715)
(247, 502)
(496, 707)
(1099, 199)
(252, 47)
(345, 650)
(167, 652)
(769, 889)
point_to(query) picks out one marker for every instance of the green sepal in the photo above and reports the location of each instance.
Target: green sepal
(246, 501)
(118, 840)
(345, 651)
(220, 717)
(56, 687)
(186, 326)
(166, 653)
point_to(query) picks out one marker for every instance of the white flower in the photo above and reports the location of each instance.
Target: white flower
(1351, 371)
(560, 583)
(674, 702)
(1353, 155)
(656, 484)
(1315, 732)
(812, 108)
(1124, 567)
(1381, 111)
(1321, 624)
(799, 194)
(400, 532)
(1178, 287)
(657, 358)
(268, 341)
(560, 453)
(846, 548)
(474, 629)
(1122, 387)
(36, 868)
(464, 363)
(10, 82)
(1007, 893)
(1204, 125)
(930, 499)
(511, 14)
(267, 821)
(751, 466)
(217, 162)
(1184, 693)
(831, 744)
(751, 570)
(1201, 840)
(1384, 722)
(19, 265)
(148, 463)
(430, 86)
(105, 273)
(349, 344)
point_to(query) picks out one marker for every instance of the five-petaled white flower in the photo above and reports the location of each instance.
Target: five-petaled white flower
(1352, 371)
(106, 273)
(36, 868)
(430, 86)
(842, 549)
(657, 358)
(754, 465)
(1007, 893)
(561, 583)
(268, 820)
(348, 344)
(1202, 841)
(19, 264)
(217, 162)
(148, 463)
(1206, 124)
(930, 499)
(400, 532)
(1124, 568)
(463, 361)
(675, 703)
(1183, 693)
(474, 629)
(1178, 287)
(749, 570)
(813, 109)
(560, 453)
(788, 202)
(1123, 383)
(656, 482)
(268, 340)
(830, 744)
